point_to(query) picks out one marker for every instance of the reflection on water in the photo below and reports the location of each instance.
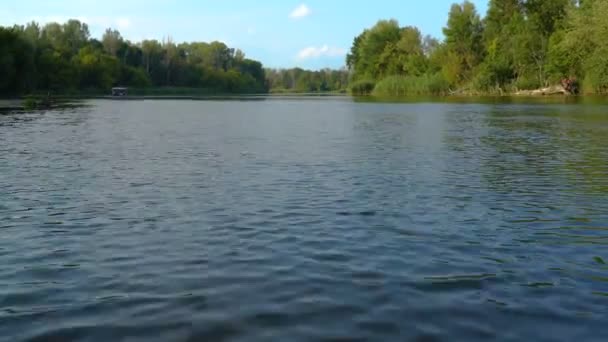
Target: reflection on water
(305, 218)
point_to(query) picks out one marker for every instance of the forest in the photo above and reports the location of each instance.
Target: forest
(64, 59)
(297, 80)
(518, 45)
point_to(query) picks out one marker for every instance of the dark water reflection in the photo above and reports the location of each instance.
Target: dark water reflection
(304, 219)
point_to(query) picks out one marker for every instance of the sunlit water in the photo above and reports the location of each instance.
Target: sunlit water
(304, 219)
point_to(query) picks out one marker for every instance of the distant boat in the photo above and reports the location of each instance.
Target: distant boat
(119, 91)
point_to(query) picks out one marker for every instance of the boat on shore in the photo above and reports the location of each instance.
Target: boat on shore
(120, 91)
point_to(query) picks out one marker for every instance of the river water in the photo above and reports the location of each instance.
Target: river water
(304, 219)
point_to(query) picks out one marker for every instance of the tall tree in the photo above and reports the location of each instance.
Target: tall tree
(170, 57)
(151, 53)
(353, 57)
(544, 18)
(16, 58)
(581, 48)
(64, 58)
(375, 41)
(112, 41)
(75, 35)
(463, 36)
(500, 13)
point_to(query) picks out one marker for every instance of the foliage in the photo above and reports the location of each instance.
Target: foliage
(30, 103)
(63, 58)
(387, 49)
(463, 40)
(298, 80)
(520, 44)
(362, 87)
(412, 85)
(16, 60)
(585, 40)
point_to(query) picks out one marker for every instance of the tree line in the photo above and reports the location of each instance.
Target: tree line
(63, 58)
(519, 44)
(297, 80)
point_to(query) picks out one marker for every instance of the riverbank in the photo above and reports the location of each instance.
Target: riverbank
(435, 85)
(60, 101)
(527, 97)
(281, 91)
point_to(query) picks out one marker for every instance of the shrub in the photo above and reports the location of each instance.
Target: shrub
(525, 83)
(412, 85)
(362, 87)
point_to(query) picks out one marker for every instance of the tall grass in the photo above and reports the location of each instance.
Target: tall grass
(412, 85)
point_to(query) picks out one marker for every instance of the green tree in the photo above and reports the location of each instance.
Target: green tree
(499, 15)
(353, 57)
(520, 44)
(96, 69)
(64, 58)
(463, 37)
(300, 80)
(152, 53)
(547, 16)
(581, 48)
(112, 41)
(369, 63)
(16, 59)
(130, 54)
(170, 58)
(75, 35)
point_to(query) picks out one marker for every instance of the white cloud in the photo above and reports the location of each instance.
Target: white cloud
(321, 51)
(300, 12)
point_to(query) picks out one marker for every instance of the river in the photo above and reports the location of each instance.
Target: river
(304, 219)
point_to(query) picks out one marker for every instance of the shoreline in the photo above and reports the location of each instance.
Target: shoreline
(17, 103)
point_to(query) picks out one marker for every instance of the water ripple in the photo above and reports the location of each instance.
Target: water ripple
(304, 220)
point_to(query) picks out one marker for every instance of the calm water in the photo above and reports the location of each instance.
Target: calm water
(304, 219)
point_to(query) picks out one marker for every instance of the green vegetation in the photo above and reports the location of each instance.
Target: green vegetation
(519, 45)
(411, 85)
(32, 102)
(362, 87)
(64, 59)
(298, 80)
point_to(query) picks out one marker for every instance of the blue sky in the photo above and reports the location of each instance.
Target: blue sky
(280, 33)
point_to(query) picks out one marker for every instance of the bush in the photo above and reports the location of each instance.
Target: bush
(412, 85)
(491, 79)
(596, 73)
(133, 77)
(362, 87)
(30, 102)
(525, 83)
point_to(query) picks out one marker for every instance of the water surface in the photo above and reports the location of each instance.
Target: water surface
(304, 219)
